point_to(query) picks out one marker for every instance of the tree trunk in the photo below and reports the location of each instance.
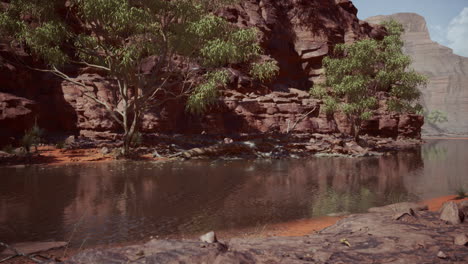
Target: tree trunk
(127, 140)
(130, 130)
(127, 133)
(356, 129)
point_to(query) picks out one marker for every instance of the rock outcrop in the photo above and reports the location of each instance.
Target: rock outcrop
(298, 34)
(448, 74)
(416, 237)
(16, 113)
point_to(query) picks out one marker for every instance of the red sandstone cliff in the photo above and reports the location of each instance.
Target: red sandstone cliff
(297, 33)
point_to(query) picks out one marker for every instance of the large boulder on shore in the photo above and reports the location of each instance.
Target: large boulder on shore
(451, 214)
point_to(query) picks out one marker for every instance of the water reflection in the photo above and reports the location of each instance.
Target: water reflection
(116, 202)
(445, 169)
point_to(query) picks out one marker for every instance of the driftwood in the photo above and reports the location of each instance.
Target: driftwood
(300, 119)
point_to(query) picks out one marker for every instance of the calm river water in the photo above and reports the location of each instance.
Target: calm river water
(128, 201)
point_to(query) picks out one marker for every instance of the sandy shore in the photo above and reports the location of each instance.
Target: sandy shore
(50, 155)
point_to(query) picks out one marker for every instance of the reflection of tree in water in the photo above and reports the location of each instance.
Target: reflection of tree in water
(332, 201)
(434, 152)
(26, 194)
(353, 186)
(116, 202)
(335, 202)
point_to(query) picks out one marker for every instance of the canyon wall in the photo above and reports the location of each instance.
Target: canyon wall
(296, 33)
(447, 90)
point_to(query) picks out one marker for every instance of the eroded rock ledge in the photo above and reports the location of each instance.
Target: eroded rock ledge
(393, 234)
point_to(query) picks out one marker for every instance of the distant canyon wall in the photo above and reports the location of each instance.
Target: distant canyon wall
(447, 90)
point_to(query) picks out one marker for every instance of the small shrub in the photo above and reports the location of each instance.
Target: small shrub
(32, 137)
(318, 91)
(461, 193)
(136, 140)
(61, 145)
(264, 71)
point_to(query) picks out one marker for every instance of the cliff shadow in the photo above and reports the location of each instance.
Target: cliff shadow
(281, 46)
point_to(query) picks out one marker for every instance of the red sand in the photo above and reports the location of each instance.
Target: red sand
(436, 203)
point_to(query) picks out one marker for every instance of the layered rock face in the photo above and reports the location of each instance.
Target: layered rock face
(27, 96)
(447, 90)
(296, 33)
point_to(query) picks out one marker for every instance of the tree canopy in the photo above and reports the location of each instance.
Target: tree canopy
(356, 73)
(191, 46)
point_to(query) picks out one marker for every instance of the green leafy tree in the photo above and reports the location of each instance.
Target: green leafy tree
(436, 117)
(190, 45)
(356, 73)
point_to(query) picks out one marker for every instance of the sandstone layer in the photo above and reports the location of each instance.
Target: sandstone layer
(447, 90)
(298, 34)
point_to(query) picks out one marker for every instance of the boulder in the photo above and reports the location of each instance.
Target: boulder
(70, 140)
(105, 150)
(209, 237)
(463, 206)
(451, 214)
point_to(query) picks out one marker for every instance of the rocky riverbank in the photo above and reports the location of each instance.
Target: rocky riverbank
(165, 147)
(400, 233)
(345, 239)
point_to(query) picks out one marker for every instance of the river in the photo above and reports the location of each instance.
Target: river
(115, 202)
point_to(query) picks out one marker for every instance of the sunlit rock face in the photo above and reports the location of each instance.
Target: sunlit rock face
(448, 74)
(298, 34)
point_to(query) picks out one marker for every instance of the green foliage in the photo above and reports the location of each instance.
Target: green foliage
(461, 193)
(330, 105)
(331, 202)
(117, 36)
(319, 91)
(206, 94)
(61, 144)
(32, 137)
(264, 71)
(356, 72)
(136, 139)
(239, 46)
(436, 117)
(434, 153)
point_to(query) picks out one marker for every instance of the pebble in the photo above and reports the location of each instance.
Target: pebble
(460, 240)
(441, 255)
(209, 237)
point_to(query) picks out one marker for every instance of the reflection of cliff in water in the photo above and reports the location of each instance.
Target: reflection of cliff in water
(445, 169)
(115, 202)
(288, 190)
